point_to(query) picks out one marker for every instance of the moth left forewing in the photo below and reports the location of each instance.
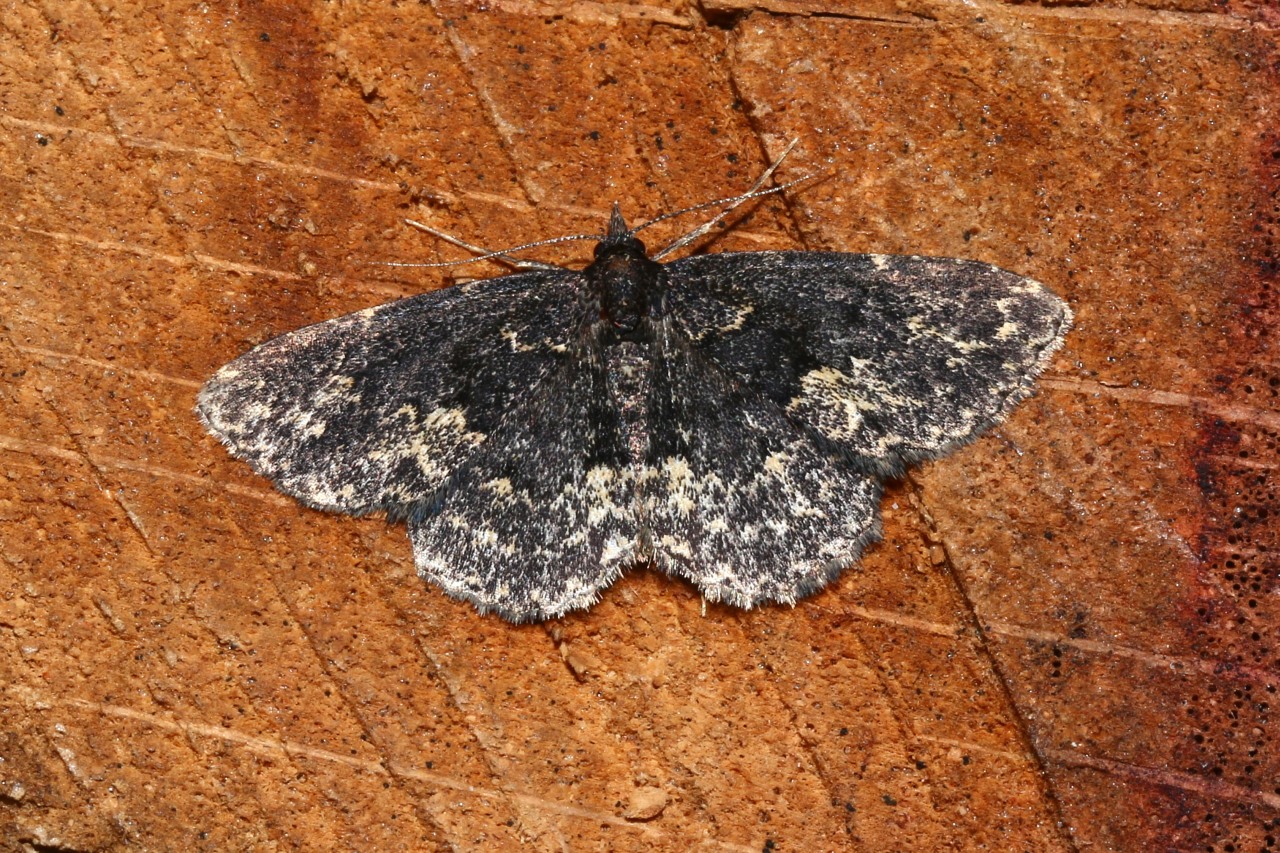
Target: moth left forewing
(375, 410)
(894, 359)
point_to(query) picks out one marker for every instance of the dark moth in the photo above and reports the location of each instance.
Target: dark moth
(728, 417)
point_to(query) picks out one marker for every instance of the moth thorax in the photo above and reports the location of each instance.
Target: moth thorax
(628, 285)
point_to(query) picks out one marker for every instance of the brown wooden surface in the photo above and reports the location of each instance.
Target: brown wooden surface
(1068, 639)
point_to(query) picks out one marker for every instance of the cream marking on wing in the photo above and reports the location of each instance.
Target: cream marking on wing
(739, 318)
(441, 431)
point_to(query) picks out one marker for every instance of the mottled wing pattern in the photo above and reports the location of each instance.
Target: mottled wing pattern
(542, 517)
(736, 498)
(895, 359)
(375, 410)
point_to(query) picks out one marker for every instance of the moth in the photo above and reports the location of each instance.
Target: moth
(729, 418)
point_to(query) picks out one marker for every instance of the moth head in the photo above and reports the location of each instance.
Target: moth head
(624, 279)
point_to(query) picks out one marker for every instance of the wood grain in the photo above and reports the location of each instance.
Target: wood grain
(1068, 639)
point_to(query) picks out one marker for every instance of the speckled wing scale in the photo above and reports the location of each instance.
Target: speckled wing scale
(377, 410)
(738, 498)
(541, 517)
(728, 417)
(894, 359)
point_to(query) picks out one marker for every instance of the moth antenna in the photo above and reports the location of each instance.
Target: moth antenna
(733, 203)
(483, 254)
(751, 193)
(615, 225)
